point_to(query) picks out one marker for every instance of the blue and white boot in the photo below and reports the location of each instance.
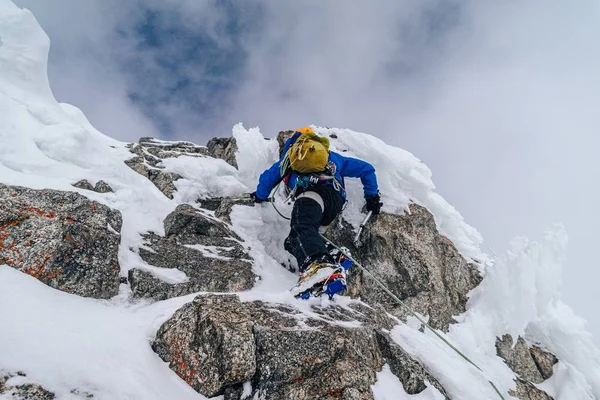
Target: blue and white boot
(320, 277)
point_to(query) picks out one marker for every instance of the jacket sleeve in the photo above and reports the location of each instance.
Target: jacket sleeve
(267, 181)
(355, 168)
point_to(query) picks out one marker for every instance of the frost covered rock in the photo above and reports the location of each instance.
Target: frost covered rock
(147, 164)
(101, 186)
(150, 152)
(409, 371)
(61, 238)
(531, 364)
(83, 184)
(222, 206)
(528, 391)
(518, 358)
(544, 361)
(223, 148)
(13, 387)
(218, 344)
(205, 249)
(408, 254)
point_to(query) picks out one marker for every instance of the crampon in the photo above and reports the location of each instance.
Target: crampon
(324, 278)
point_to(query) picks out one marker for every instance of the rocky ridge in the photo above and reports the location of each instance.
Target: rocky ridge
(258, 339)
(204, 248)
(218, 344)
(150, 152)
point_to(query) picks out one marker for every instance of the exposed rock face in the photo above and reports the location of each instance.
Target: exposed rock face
(61, 238)
(101, 186)
(518, 358)
(23, 391)
(150, 153)
(531, 364)
(410, 372)
(544, 361)
(204, 248)
(417, 263)
(222, 206)
(223, 148)
(528, 391)
(282, 136)
(216, 343)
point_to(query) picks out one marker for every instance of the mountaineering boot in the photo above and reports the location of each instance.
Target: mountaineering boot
(321, 276)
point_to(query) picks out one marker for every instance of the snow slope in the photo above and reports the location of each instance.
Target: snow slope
(65, 342)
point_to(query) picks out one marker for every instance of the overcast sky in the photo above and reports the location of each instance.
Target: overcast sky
(499, 98)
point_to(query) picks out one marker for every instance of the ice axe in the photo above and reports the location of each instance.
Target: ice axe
(357, 241)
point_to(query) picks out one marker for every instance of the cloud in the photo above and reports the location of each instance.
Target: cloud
(498, 98)
(83, 68)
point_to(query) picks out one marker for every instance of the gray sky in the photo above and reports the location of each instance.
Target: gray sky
(498, 98)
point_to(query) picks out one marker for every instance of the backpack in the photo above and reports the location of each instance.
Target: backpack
(309, 154)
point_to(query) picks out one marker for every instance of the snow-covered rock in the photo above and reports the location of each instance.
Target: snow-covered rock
(408, 254)
(61, 238)
(532, 365)
(16, 386)
(204, 248)
(223, 148)
(150, 154)
(217, 344)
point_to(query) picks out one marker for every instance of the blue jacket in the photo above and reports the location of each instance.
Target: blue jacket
(346, 167)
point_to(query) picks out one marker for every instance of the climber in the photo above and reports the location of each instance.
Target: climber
(315, 177)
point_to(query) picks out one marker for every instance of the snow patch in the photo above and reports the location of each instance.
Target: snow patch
(389, 387)
(65, 342)
(210, 251)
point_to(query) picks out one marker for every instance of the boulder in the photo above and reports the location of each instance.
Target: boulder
(531, 364)
(518, 358)
(527, 391)
(408, 254)
(282, 136)
(223, 148)
(217, 344)
(83, 184)
(147, 165)
(202, 247)
(22, 390)
(62, 239)
(101, 186)
(544, 361)
(222, 206)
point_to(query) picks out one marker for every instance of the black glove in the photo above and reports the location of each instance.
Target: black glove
(256, 199)
(374, 203)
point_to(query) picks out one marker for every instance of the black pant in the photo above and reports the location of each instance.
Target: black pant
(304, 241)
